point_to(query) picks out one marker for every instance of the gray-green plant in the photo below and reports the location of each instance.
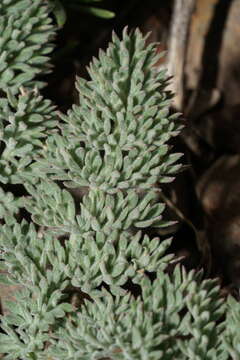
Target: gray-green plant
(92, 179)
(26, 40)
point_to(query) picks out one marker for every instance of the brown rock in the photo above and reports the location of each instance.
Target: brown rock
(221, 129)
(219, 188)
(219, 194)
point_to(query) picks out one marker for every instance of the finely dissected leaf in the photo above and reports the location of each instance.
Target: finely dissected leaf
(123, 120)
(124, 327)
(90, 187)
(26, 257)
(230, 337)
(26, 40)
(52, 207)
(24, 123)
(9, 206)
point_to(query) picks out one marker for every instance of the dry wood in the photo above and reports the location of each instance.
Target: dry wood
(178, 41)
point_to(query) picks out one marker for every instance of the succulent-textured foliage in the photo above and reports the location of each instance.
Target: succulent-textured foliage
(169, 321)
(39, 267)
(116, 138)
(231, 336)
(93, 189)
(26, 36)
(102, 147)
(24, 122)
(100, 247)
(9, 206)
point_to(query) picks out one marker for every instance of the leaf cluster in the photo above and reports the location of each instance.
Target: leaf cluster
(92, 183)
(26, 40)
